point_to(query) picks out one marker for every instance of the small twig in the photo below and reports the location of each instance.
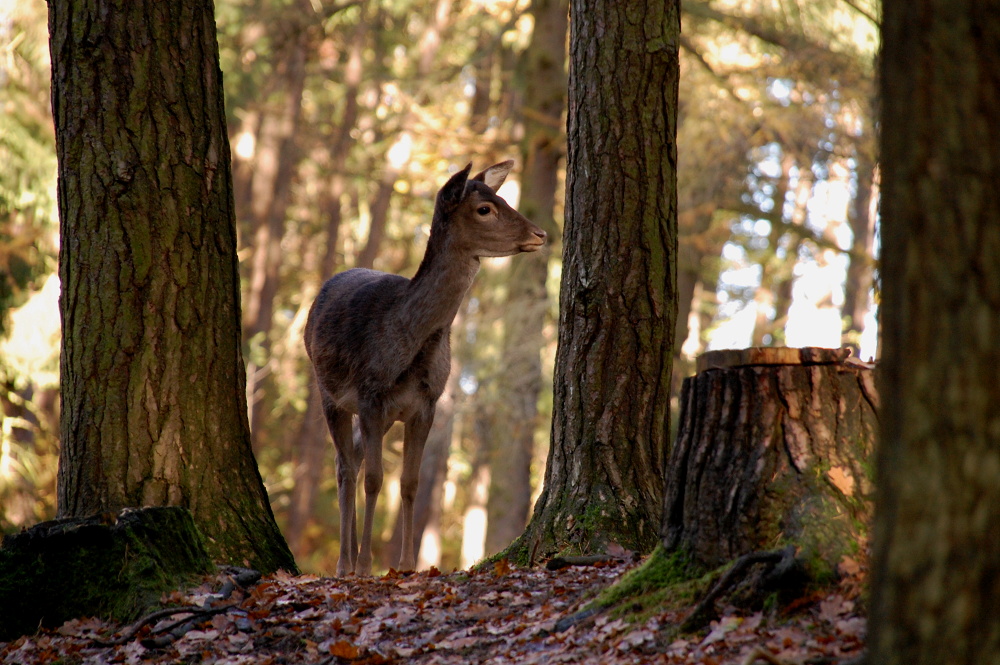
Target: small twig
(566, 623)
(560, 562)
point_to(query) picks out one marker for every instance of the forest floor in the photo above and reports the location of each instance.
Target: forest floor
(498, 616)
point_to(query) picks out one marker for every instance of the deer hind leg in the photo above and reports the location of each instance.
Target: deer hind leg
(348, 464)
(414, 438)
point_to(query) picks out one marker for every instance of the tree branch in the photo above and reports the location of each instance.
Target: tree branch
(868, 15)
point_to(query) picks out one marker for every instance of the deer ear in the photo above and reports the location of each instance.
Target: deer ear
(494, 176)
(454, 190)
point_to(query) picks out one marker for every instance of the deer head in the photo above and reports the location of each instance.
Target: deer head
(479, 222)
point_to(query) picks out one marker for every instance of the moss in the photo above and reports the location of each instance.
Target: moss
(665, 581)
(115, 568)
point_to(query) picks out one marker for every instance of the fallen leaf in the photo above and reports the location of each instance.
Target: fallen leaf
(344, 649)
(854, 627)
(834, 607)
(721, 628)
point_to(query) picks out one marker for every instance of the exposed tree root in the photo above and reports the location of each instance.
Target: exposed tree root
(782, 561)
(235, 578)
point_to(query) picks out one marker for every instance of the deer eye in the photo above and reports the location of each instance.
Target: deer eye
(483, 210)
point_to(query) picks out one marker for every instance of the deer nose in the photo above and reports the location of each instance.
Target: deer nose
(540, 233)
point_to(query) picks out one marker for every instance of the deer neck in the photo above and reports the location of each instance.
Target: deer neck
(436, 292)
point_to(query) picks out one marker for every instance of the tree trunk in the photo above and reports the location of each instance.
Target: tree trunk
(379, 217)
(772, 298)
(307, 474)
(604, 478)
(772, 449)
(276, 166)
(858, 282)
(482, 98)
(936, 559)
(512, 439)
(152, 377)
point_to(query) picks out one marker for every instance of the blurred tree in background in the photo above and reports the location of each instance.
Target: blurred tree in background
(343, 116)
(29, 367)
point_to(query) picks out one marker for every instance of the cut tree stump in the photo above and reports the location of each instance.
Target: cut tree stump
(110, 566)
(774, 448)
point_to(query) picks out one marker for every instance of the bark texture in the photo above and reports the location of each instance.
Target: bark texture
(936, 560)
(152, 378)
(604, 479)
(769, 455)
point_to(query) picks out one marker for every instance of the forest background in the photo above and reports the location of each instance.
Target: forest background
(345, 118)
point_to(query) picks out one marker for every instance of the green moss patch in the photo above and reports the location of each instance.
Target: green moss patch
(665, 581)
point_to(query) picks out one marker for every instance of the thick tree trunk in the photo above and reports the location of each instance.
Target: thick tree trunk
(772, 449)
(512, 439)
(604, 479)
(152, 377)
(936, 560)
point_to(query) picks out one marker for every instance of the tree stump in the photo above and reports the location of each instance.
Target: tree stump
(773, 449)
(110, 566)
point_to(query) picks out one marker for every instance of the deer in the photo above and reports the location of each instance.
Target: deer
(380, 348)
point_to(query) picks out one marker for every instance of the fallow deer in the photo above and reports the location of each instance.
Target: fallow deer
(380, 347)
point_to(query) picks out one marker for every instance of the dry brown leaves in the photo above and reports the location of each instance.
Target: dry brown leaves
(505, 615)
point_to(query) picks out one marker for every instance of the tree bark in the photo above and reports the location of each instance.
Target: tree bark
(936, 562)
(772, 449)
(152, 377)
(512, 439)
(604, 478)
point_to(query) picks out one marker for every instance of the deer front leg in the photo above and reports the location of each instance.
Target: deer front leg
(348, 464)
(373, 428)
(414, 438)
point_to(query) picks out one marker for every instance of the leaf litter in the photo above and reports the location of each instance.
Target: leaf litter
(504, 615)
